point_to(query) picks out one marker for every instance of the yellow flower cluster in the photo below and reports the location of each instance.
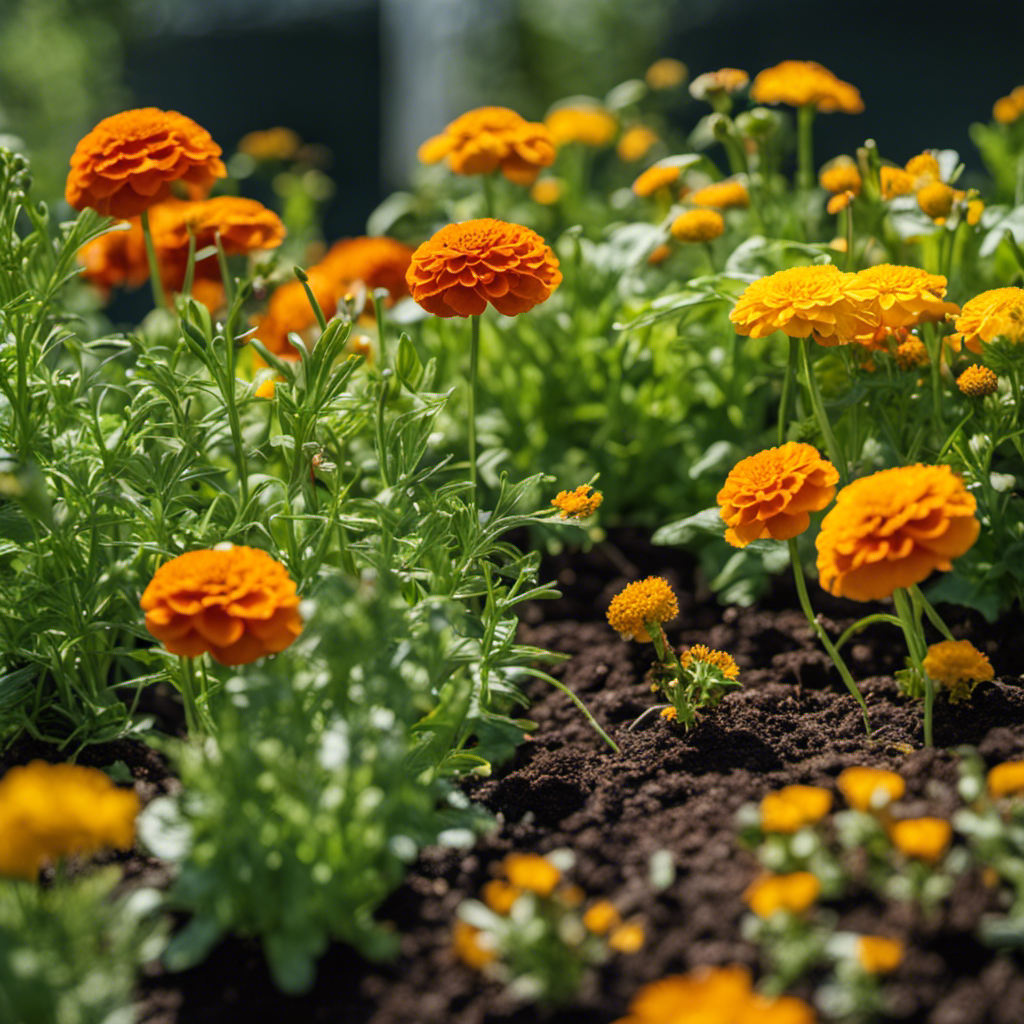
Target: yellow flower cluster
(716, 83)
(635, 143)
(722, 195)
(789, 809)
(698, 225)
(656, 177)
(958, 666)
(1006, 779)
(589, 124)
(997, 313)
(791, 894)
(870, 789)
(1008, 109)
(666, 73)
(578, 504)
(801, 83)
(924, 839)
(879, 955)
(840, 175)
(646, 602)
(718, 660)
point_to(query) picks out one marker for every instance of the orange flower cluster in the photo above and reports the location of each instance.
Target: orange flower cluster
(722, 195)
(578, 504)
(800, 83)
(789, 809)
(893, 529)
(911, 354)
(129, 161)
(49, 811)
(958, 666)
(1008, 109)
(635, 143)
(589, 124)
(891, 297)
(699, 654)
(238, 603)
(877, 954)
(116, 259)
(656, 177)
(924, 839)
(998, 313)
(772, 493)
(646, 601)
(492, 138)
(841, 175)
(1006, 779)
(870, 789)
(698, 225)
(666, 73)
(466, 266)
(791, 894)
(270, 144)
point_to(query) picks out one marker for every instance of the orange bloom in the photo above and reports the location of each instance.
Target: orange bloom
(1008, 109)
(289, 311)
(958, 666)
(799, 83)
(590, 125)
(468, 947)
(836, 204)
(376, 262)
(657, 176)
(578, 504)
(697, 226)
(465, 266)
(895, 182)
(666, 73)
(646, 601)
(998, 313)
(936, 200)
(601, 918)
(722, 195)
(771, 493)
(870, 789)
(116, 259)
(129, 161)
(841, 175)
(529, 872)
(489, 138)
(924, 839)
(724, 664)
(714, 83)
(635, 143)
(911, 354)
(793, 893)
(893, 529)
(896, 296)
(879, 955)
(1006, 779)
(270, 144)
(499, 895)
(237, 603)
(791, 808)
(546, 191)
(627, 938)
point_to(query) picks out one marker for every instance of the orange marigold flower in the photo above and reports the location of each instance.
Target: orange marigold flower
(627, 938)
(578, 504)
(589, 124)
(911, 354)
(601, 917)
(1008, 109)
(1006, 779)
(975, 208)
(978, 382)
(657, 176)
(799, 83)
(923, 169)
(870, 789)
(116, 259)
(129, 161)
(469, 946)
(546, 191)
(666, 73)
(531, 873)
(936, 200)
(897, 296)
(697, 226)
(49, 811)
(492, 138)
(924, 839)
(893, 529)
(998, 313)
(792, 893)
(836, 204)
(958, 666)
(669, 714)
(376, 262)
(791, 808)
(771, 493)
(658, 255)
(895, 182)
(635, 143)
(802, 301)
(500, 895)
(841, 175)
(270, 144)
(722, 195)
(879, 955)
(646, 601)
(289, 312)
(465, 266)
(267, 389)
(718, 660)
(238, 603)
(713, 83)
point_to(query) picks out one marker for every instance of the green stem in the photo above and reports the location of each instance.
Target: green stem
(786, 398)
(848, 225)
(474, 352)
(188, 698)
(921, 603)
(805, 146)
(382, 338)
(157, 285)
(819, 629)
(190, 266)
(225, 274)
(232, 407)
(917, 649)
(819, 412)
(488, 183)
(581, 706)
(862, 624)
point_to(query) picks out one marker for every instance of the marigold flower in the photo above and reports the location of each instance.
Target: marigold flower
(590, 125)
(376, 262)
(719, 660)
(658, 255)
(792, 807)
(895, 181)
(627, 938)
(657, 176)
(724, 80)
(841, 175)
(897, 296)
(578, 504)
(802, 301)
(116, 259)
(977, 382)
(792, 893)
(958, 666)
(635, 143)
(465, 266)
(722, 195)
(870, 789)
(1008, 109)
(532, 873)
(836, 204)
(924, 839)
(129, 161)
(289, 312)
(799, 83)
(1006, 779)
(49, 811)
(546, 191)
(893, 529)
(270, 144)
(923, 169)
(468, 948)
(911, 354)
(669, 714)
(936, 200)
(666, 73)
(267, 389)
(879, 955)
(975, 208)
(698, 225)
(499, 895)
(601, 917)
(646, 601)
(492, 138)
(238, 603)
(998, 313)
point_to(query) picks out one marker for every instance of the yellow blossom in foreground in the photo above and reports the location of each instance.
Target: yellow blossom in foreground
(911, 354)
(722, 195)
(879, 955)
(627, 938)
(800, 83)
(792, 807)
(546, 191)
(669, 714)
(1006, 779)
(467, 946)
(590, 125)
(958, 666)
(499, 895)
(924, 839)
(978, 382)
(997, 313)
(697, 226)
(841, 175)
(923, 170)
(895, 182)
(266, 389)
(578, 504)
(601, 918)
(898, 296)
(715, 83)
(975, 208)
(1008, 109)
(792, 894)
(658, 255)
(657, 176)
(936, 200)
(666, 73)
(837, 204)
(870, 789)
(531, 872)
(648, 601)
(270, 144)
(719, 660)
(635, 143)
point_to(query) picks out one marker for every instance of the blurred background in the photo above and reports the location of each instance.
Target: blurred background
(365, 81)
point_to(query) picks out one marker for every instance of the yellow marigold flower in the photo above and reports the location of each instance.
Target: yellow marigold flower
(270, 144)
(635, 143)
(899, 296)
(627, 938)
(590, 125)
(697, 226)
(724, 80)
(936, 200)
(792, 893)
(958, 666)
(799, 302)
(895, 182)
(792, 807)
(49, 811)
(659, 254)
(978, 382)
(879, 955)
(837, 204)
(238, 603)
(491, 138)
(870, 789)
(1008, 109)
(468, 948)
(646, 601)
(657, 176)
(499, 895)
(799, 83)
(911, 354)
(1006, 779)
(998, 313)
(546, 191)
(601, 918)
(893, 529)
(771, 494)
(578, 504)
(666, 73)
(975, 208)
(719, 660)
(267, 389)
(923, 170)
(841, 175)
(669, 714)
(924, 839)
(532, 873)
(722, 195)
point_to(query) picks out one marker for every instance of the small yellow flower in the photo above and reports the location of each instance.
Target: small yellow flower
(570, 895)
(655, 178)
(669, 714)
(1006, 779)
(997, 313)
(870, 789)
(719, 660)
(1008, 109)
(911, 354)
(658, 255)
(957, 664)
(601, 918)
(546, 191)
(895, 182)
(499, 895)
(975, 208)
(697, 226)
(715, 83)
(837, 204)
(923, 170)
(266, 389)
(270, 144)
(635, 143)
(792, 807)
(793, 893)
(578, 504)
(924, 839)
(666, 73)
(589, 124)
(800, 83)
(841, 175)
(722, 195)
(879, 955)
(936, 200)
(532, 872)
(467, 946)
(627, 938)
(648, 601)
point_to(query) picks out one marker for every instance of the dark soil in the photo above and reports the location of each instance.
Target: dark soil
(667, 790)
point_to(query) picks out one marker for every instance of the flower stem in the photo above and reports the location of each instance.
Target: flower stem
(159, 295)
(805, 146)
(225, 274)
(922, 604)
(862, 624)
(916, 648)
(474, 352)
(819, 629)
(848, 232)
(819, 412)
(188, 698)
(786, 398)
(488, 184)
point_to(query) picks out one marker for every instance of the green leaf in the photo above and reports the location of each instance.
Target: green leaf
(708, 522)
